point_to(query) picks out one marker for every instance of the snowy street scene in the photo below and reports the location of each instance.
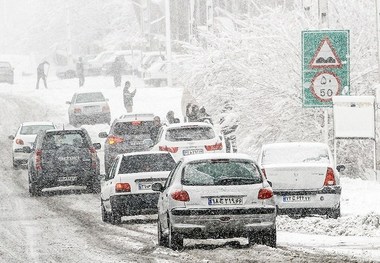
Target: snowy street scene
(189, 131)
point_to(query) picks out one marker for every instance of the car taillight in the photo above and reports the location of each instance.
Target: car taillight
(263, 171)
(330, 177)
(19, 141)
(168, 149)
(122, 187)
(105, 109)
(38, 160)
(93, 157)
(114, 139)
(214, 147)
(181, 195)
(265, 193)
(77, 110)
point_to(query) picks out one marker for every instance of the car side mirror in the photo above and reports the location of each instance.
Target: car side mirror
(158, 187)
(26, 149)
(68, 102)
(11, 137)
(148, 143)
(102, 135)
(97, 146)
(341, 168)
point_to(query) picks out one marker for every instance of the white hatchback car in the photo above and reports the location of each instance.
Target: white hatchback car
(25, 136)
(127, 187)
(304, 178)
(216, 196)
(182, 139)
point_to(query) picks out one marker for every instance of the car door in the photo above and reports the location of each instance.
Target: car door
(109, 184)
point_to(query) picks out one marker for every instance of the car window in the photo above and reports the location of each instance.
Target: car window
(295, 154)
(169, 180)
(112, 171)
(34, 129)
(55, 140)
(146, 163)
(132, 128)
(90, 97)
(192, 133)
(221, 172)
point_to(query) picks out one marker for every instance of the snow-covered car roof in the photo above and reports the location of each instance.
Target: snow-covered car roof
(293, 144)
(188, 124)
(136, 116)
(208, 156)
(33, 123)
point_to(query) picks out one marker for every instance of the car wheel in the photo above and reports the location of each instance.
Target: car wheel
(334, 213)
(16, 164)
(255, 237)
(269, 237)
(94, 188)
(34, 189)
(162, 240)
(115, 217)
(105, 215)
(175, 240)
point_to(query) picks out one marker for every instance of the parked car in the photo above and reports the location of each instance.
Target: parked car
(94, 66)
(6, 72)
(157, 74)
(304, 178)
(63, 157)
(88, 108)
(189, 138)
(127, 189)
(130, 60)
(216, 196)
(25, 136)
(129, 133)
(149, 58)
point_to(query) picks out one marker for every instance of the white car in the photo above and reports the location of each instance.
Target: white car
(189, 138)
(216, 196)
(304, 178)
(25, 136)
(127, 187)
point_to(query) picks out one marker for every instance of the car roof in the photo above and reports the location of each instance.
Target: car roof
(33, 123)
(136, 117)
(87, 92)
(188, 124)
(208, 156)
(293, 144)
(66, 129)
(145, 153)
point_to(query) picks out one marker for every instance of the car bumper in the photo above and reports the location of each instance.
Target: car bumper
(135, 204)
(54, 179)
(221, 223)
(20, 156)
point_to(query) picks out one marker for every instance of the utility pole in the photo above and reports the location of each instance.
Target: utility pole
(68, 27)
(168, 43)
(378, 36)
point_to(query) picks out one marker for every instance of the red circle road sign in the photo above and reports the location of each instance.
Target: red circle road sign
(325, 85)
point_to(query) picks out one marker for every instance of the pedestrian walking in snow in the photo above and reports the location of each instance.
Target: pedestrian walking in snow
(116, 71)
(192, 112)
(170, 117)
(80, 71)
(42, 73)
(128, 96)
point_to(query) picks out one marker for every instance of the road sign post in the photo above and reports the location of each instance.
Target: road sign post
(325, 66)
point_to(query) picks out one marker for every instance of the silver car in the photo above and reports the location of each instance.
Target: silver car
(216, 195)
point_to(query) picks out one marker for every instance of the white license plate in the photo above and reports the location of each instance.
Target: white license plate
(225, 200)
(296, 198)
(192, 151)
(145, 186)
(67, 179)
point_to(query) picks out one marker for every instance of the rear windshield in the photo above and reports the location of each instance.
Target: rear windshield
(90, 97)
(295, 154)
(132, 128)
(221, 172)
(195, 133)
(146, 163)
(5, 65)
(55, 140)
(34, 129)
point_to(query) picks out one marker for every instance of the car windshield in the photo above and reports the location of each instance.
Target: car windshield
(295, 154)
(34, 129)
(90, 97)
(5, 65)
(191, 133)
(55, 140)
(221, 172)
(146, 163)
(132, 128)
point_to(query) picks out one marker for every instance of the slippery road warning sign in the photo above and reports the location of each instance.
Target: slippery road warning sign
(325, 66)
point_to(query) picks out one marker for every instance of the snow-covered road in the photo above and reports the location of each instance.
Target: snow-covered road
(66, 226)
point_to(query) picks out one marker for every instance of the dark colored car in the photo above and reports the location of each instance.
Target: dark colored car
(6, 72)
(129, 133)
(63, 158)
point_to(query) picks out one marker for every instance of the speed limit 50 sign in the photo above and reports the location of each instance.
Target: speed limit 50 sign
(325, 66)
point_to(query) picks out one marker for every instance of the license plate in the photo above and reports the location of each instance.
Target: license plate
(296, 198)
(225, 200)
(192, 151)
(145, 186)
(67, 179)
(92, 109)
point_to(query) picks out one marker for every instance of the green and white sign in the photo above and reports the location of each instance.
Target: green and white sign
(325, 66)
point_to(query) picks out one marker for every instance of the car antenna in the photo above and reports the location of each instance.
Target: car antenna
(63, 126)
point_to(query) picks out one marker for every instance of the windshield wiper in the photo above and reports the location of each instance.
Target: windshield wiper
(235, 180)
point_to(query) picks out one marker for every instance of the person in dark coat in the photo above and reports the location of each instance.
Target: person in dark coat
(128, 96)
(155, 128)
(229, 125)
(204, 116)
(116, 71)
(80, 71)
(170, 117)
(192, 112)
(41, 74)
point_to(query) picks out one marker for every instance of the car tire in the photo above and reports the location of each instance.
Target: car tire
(94, 188)
(162, 240)
(255, 237)
(115, 217)
(175, 240)
(105, 214)
(34, 189)
(16, 164)
(269, 237)
(334, 213)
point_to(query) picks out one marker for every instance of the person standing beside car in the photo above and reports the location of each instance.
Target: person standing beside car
(80, 71)
(155, 128)
(41, 74)
(128, 97)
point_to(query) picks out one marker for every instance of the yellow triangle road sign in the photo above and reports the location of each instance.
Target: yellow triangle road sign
(325, 56)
